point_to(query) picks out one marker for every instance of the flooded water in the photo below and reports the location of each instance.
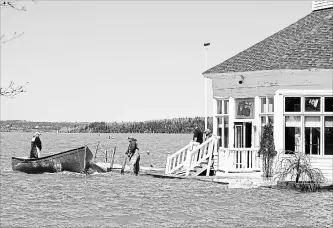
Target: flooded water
(113, 200)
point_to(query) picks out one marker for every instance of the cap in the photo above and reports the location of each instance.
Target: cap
(37, 134)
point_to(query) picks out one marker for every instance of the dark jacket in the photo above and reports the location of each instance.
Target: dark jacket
(132, 147)
(35, 142)
(198, 134)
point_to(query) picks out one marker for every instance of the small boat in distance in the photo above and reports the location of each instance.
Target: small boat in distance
(77, 160)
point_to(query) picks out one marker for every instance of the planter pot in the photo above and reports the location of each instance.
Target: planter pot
(300, 186)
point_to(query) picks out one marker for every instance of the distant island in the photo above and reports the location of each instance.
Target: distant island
(182, 125)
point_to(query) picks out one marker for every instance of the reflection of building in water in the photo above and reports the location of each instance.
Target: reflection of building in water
(284, 80)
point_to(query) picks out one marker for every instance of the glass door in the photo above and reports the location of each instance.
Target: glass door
(243, 135)
(239, 135)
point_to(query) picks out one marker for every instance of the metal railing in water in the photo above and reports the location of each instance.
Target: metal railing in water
(192, 155)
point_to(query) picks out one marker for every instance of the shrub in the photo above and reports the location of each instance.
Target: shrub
(267, 150)
(297, 166)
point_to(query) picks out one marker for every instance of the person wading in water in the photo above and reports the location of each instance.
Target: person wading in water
(133, 156)
(36, 146)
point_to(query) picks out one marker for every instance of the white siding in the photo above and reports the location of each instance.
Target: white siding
(325, 164)
(265, 83)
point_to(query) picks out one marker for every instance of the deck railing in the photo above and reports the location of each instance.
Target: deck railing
(239, 160)
(177, 160)
(191, 156)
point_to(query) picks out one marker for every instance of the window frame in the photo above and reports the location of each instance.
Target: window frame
(266, 114)
(223, 115)
(304, 114)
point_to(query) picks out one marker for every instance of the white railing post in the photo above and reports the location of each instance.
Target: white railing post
(167, 166)
(187, 164)
(210, 154)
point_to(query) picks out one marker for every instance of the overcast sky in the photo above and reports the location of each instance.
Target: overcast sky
(129, 60)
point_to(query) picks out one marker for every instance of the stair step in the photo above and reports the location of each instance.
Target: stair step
(201, 166)
(180, 172)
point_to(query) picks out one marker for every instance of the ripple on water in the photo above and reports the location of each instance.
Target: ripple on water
(112, 200)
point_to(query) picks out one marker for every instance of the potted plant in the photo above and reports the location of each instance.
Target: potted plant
(298, 168)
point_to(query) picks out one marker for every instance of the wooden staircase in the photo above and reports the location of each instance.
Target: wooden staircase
(193, 160)
(198, 170)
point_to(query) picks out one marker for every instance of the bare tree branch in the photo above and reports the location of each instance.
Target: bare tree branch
(12, 90)
(11, 4)
(15, 36)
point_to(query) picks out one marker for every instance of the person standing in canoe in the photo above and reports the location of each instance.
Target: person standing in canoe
(133, 155)
(36, 146)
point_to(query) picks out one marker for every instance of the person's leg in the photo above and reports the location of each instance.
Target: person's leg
(135, 166)
(38, 152)
(124, 163)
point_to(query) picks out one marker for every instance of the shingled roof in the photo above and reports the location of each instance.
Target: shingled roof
(306, 44)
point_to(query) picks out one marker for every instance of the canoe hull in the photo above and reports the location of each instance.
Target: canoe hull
(76, 160)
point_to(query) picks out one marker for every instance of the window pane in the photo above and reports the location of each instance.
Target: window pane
(271, 104)
(312, 104)
(263, 105)
(293, 121)
(226, 132)
(271, 120)
(328, 104)
(226, 107)
(219, 121)
(293, 104)
(312, 140)
(263, 123)
(312, 134)
(219, 107)
(328, 147)
(219, 131)
(292, 140)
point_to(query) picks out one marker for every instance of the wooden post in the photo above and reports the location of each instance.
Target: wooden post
(112, 160)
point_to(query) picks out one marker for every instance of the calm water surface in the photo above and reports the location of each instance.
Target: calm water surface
(113, 200)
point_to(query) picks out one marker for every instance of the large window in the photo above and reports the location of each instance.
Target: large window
(308, 125)
(222, 116)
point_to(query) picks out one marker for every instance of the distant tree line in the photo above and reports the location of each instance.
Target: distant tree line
(30, 126)
(175, 125)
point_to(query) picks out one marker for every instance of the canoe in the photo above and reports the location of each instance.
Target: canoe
(76, 160)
